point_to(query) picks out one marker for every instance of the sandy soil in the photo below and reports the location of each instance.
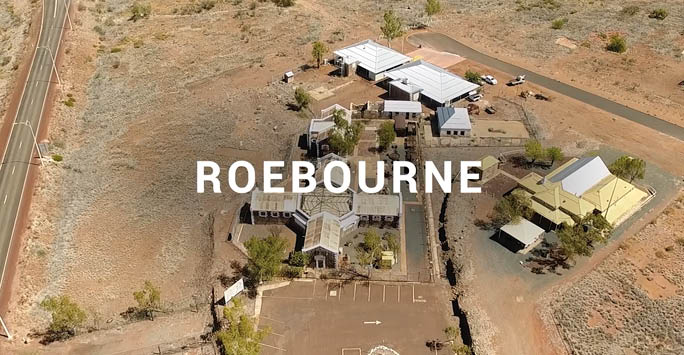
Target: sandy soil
(645, 77)
(632, 301)
(154, 96)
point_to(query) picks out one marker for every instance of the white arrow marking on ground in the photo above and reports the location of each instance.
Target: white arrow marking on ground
(376, 322)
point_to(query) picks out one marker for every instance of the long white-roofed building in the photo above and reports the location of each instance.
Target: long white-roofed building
(369, 59)
(431, 82)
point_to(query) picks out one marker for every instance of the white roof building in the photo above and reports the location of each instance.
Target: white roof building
(526, 232)
(449, 118)
(436, 83)
(581, 175)
(318, 127)
(402, 106)
(371, 56)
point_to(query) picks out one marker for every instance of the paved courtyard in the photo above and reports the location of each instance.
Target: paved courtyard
(336, 317)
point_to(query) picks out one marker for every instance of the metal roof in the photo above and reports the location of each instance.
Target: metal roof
(372, 56)
(453, 118)
(273, 202)
(437, 83)
(323, 230)
(524, 231)
(402, 106)
(581, 175)
(377, 204)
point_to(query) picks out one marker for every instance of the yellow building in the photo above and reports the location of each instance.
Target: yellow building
(578, 187)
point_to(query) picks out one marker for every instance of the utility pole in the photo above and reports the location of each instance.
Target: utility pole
(4, 327)
(54, 65)
(35, 140)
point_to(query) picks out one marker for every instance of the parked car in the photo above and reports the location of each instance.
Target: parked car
(489, 79)
(474, 97)
(517, 81)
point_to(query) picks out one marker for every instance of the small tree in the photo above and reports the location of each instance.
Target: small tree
(628, 168)
(318, 51)
(392, 243)
(149, 300)
(369, 251)
(302, 98)
(581, 237)
(533, 150)
(473, 77)
(386, 135)
(433, 7)
(265, 256)
(299, 259)
(241, 337)
(554, 153)
(617, 44)
(140, 11)
(345, 136)
(66, 317)
(511, 208)
(392, 28)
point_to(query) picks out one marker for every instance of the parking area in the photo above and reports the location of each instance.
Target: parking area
(345, 317)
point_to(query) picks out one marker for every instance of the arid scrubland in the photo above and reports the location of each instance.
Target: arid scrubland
(633, 302)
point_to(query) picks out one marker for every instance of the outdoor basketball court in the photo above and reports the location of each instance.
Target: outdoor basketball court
(350, 318)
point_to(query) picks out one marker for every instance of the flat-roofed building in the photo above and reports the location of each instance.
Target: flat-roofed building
(272, 205)
(377, 207)
(525, 234)
(369, 59)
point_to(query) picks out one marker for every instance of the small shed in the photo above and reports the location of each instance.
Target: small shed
(453, 121)
(525, 233)
(288, 77)
(489, 168)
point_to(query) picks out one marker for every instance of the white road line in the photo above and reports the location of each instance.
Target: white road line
(32, 100)
(326, 291)
(414, 293)
(274, 347)
(339, 295)
(4, 202)
(398, 293)
(383, 293)
(275, 320)
(313, 293)
(369, 287)
(20, 144)
(54, 13)
(355, 290)
(13, 167)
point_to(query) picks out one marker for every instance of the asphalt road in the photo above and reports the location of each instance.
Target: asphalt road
(445, 43)
(20, 151)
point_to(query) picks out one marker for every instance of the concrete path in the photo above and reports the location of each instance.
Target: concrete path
(445, 43)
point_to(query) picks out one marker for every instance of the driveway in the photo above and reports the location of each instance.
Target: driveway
(445, 43)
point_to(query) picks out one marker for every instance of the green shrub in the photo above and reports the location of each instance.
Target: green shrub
(680, 241)
(57, 157)
(69, 102)
(115, 50)
(658, 14)
(299, 258)
(140, 11)
(291, 272)
(473, 77)
(559, 23)
(617, 44)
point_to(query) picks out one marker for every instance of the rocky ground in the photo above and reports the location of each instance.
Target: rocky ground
(633, 302)
(15, 21)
